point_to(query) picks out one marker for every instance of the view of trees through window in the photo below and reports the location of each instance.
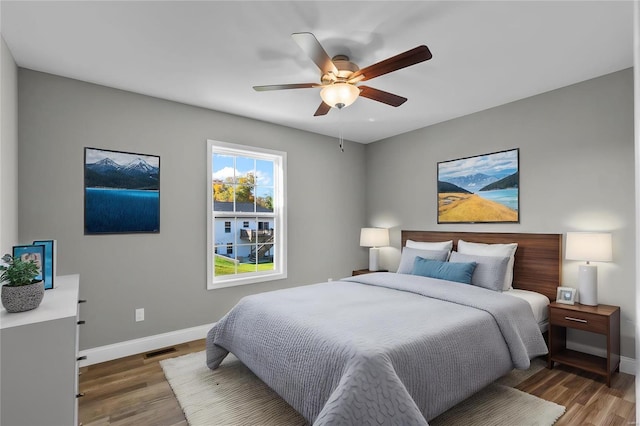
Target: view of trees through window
(243, 191)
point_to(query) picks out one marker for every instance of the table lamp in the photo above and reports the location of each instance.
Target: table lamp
(374, 238)
(590, 247)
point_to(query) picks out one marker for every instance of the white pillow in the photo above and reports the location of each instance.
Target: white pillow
(489, 272)
(445, 245)
(409, 255)
(500, 250)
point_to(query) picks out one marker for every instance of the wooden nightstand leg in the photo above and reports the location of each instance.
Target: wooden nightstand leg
(557, 342)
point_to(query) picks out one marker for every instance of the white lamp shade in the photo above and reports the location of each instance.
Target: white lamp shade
(374, 237)
(339, 95)
(589, 246)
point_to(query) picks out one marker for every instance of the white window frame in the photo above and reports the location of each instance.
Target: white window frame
(279, 214)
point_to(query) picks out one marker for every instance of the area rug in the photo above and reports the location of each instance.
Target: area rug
(233, 395)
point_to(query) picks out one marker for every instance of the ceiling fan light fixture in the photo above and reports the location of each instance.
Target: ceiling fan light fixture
(339, 95)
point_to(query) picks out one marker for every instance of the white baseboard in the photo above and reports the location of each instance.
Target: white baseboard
(627, 365)
(145, 344)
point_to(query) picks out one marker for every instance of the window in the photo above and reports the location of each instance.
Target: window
(245, 215)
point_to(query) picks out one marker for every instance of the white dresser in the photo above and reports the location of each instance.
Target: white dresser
(38, 360)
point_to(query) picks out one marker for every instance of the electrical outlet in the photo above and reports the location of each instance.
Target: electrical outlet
(139, 314)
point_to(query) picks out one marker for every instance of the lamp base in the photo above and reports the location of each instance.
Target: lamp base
(374, 256)
(588, 285)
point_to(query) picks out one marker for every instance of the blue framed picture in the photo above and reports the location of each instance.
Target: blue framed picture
(121, 192)
(50, 268)
(33, 253)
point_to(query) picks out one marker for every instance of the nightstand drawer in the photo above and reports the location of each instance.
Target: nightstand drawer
(579, 320)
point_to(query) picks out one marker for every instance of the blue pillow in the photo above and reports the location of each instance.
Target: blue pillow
(450, 271)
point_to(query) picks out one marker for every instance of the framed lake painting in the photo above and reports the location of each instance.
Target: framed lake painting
(480, 189)
(121, 192)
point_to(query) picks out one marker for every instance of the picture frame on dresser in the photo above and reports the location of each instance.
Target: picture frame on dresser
(33, 252)
(50, 267)
(566, 295)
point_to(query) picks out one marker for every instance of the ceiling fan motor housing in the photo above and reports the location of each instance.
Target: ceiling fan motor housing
(345, 69)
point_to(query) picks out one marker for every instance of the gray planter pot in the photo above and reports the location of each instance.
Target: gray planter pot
(22, 298)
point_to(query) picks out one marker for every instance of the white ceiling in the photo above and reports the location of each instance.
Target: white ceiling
(210, 54)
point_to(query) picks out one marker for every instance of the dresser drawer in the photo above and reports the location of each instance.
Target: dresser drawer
(579, 320)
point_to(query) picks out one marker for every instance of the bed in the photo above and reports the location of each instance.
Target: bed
(391, 348)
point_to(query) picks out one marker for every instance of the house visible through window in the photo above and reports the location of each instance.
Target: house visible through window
(246, 215)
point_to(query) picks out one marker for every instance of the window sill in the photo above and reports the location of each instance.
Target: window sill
(233, 282)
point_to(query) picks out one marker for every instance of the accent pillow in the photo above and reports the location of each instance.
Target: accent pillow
(450, 271)
(444, 245)
(489, 272)
(409, 254)
(499, 250)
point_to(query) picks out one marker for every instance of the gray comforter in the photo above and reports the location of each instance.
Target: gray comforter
(379, 348)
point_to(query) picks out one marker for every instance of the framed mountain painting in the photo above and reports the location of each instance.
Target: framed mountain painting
(121, 192)
(480, 189)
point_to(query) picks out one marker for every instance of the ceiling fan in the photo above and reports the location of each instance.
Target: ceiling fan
(339, 75)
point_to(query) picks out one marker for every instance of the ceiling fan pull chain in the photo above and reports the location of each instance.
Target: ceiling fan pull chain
(340, 138)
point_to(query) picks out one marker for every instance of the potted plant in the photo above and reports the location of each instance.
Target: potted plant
(21, 292)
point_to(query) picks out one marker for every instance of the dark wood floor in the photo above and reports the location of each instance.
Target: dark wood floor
(134, 391)
(131, 391)
(586, 396)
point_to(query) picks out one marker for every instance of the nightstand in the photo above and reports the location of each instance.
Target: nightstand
(365, 271)
(600, 319)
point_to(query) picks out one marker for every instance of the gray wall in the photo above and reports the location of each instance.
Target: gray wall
(165, 273)
(8, 150)
(576, 163)
(576, 174)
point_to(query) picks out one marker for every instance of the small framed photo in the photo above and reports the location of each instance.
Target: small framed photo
(33, 252)
(50, 253)
(566, 295)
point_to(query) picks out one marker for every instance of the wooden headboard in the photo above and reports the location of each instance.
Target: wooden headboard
(538, 262)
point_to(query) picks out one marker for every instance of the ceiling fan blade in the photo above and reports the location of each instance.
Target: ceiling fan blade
(323, 109)
(403, 60)
(285, 86)
(312, 47)
(381, 96)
